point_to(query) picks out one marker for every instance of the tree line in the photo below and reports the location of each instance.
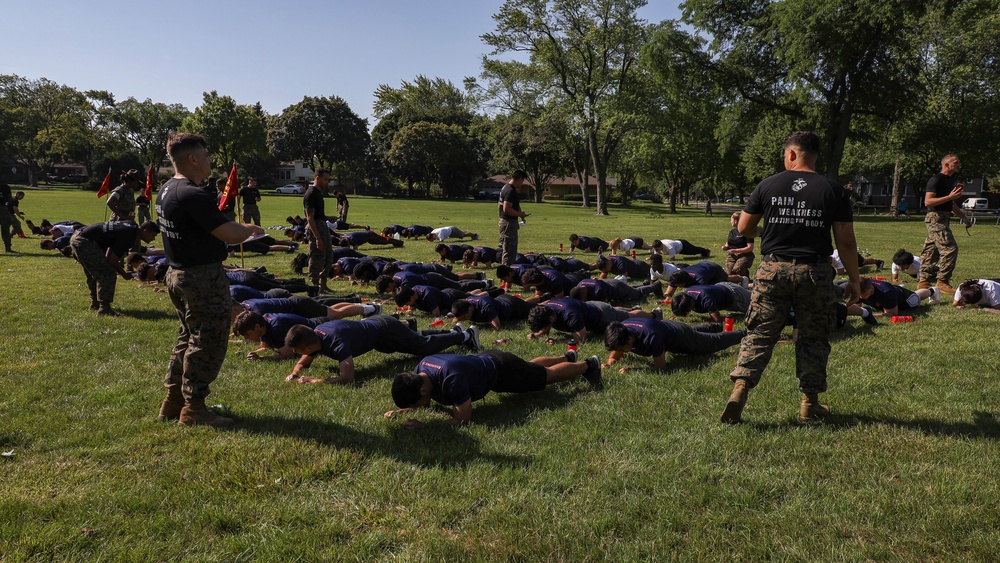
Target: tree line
(587, 88)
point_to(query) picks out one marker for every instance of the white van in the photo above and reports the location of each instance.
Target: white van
(976, 203)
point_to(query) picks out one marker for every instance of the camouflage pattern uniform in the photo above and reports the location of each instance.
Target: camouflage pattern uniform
(101, 276)
(739, 264)
(201, 296)
(777, 287)
(125, 201)
(320, 261)
(940, 252)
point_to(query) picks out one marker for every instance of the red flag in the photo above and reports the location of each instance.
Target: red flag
(105, 185)
(232, 186)
(149, 184)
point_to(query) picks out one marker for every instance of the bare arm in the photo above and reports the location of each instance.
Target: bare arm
(509, 210)
(311, 224)
(956, 192)
(303, 363)
(235, 233)
(847, 245)
(462, 415)
(748, 225)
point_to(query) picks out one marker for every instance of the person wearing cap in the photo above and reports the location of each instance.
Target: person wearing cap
(121, 202)
(250, 196)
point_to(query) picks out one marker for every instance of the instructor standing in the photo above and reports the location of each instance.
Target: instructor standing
(940, 252)
(195, 234)
(510, 213)
(799, 208)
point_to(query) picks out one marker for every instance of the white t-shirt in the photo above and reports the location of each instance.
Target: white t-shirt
(672, 247)
(913, 270)
(441, 233)
(65, 229)
(835, 261)
(991, 294)
(626, 244)
(668, 270)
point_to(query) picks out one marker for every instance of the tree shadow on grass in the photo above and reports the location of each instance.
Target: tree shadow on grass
(983, 424)
(516, 409)
(432, 446)
(147, 314)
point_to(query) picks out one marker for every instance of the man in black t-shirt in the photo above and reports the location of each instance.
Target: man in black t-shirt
(940, 252)
(5, 219)
(799, 208)
(100, 248)
(250, 196)
(317, 232)
(509, 208)
(342, 205)
(195, 234)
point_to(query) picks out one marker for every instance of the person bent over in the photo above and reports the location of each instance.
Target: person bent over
(711, 299)
(985, 293)
(455, 380)
(654, 338)
(493, 310)
(344, 340)
(613, 291)
(100, 249)
(579, 318)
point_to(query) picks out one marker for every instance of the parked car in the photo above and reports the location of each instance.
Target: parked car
(74, 178)
(291, 189)
(488, 193)
(644, 197)
(976, 203)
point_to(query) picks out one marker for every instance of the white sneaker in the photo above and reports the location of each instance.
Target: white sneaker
(935, 295)
(745, 282)
(377, 311)
(622, 277)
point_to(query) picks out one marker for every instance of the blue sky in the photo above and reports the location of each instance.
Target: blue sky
(271, 52)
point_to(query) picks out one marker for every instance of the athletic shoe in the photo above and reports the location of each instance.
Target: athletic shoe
(658, 289)
(621, 277)
(411, 323)
(473, 343)
(593, 373)
(480, 276)
(475, 237)
(935, 295)
(570, 355)
(879, 264)
(744, 282)
(458, 327)
(870, 318)
(377, 311)
(489, 284)
(657, 313)
(707, 253)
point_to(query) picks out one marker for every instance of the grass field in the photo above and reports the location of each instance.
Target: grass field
(906, 469)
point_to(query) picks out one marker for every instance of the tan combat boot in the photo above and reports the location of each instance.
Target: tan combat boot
(104, 309)
(924, 284)
(195, 413)
(945, 287)
(737, 400)
(172, 404)
(811, 409)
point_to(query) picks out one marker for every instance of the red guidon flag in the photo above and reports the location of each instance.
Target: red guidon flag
(149, 184)
(232, 187)
(105, 185)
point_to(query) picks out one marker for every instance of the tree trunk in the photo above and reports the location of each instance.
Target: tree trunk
(584, 177)
(601, 171)
(896, 173)
(837, 144)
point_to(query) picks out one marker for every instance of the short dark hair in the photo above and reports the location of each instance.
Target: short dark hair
(150, 227)
(682, 304)
(180, 144)
(246, 320)
(142, 270)
(616, 336)
(602, 261)
(970, 292)
(539, 318)
(503, 270)
(133, 257)
(441, 247)
(461, 307)
(382, 283)
(46, 244)
(656, 260)
(406, 389)
(403, 295)
(469, 256)
(322, 172)
(391, 268)
(573, 237)
(902, 258)
(579, 293)
(366, 271)
(519, 175)
(657, 244)
(532, 276)
(680, 278)
(299, 336)
(805, 141)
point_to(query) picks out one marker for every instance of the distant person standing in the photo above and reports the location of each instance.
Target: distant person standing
(940, 252)
(15, 212)
(121, 202)
(799, 208)
(6, 221)
(317, 232)
(195, 234)
(250, 196)
(510, 213)
(342, 204)
(141, 208)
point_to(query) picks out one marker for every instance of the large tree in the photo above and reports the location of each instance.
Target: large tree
(234, 132)
(434, 152)
(532, 143)
(143, 125)
(322, 131)
(584, 50)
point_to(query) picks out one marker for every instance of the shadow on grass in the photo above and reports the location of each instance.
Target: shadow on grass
(516, 409)
(147, 314)
(983, 424)
(432, 446)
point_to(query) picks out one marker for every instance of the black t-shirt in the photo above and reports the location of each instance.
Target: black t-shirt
(187, 215)
(799, 210)
(457, 379)
(508, 193)
(250, 196)
(313, 199)
(652, 337)
(455, 252)
(597, 290)
(344, 339)
(941, 185)
(706, 273)
(342, 200)
(117, 236)
(485, 309)
(278, 325)
(590, 244)
(5, 196)
(738, 240)
(710, 298)
(141, 201)
(573, 315)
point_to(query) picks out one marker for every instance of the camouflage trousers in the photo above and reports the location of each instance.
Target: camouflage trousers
(940, 252)
(739, 264)
(320, 260)
(101, 276)
(508, 241)
(779, 287)
(200, 295)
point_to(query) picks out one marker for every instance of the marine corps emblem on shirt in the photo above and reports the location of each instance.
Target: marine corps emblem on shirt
(798, 184)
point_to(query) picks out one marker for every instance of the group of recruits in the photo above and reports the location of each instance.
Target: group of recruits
(195, 234)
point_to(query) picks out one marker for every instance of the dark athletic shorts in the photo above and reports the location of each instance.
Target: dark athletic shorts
(515, 375)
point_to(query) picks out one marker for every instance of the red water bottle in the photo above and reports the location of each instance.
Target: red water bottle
(571, 345)
(437, 322)
(560, 247)
(501, 341)
(730, 322)
(902, 319)
(633, 255)
(504, 286)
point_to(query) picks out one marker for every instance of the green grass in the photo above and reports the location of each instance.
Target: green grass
(905, 470)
